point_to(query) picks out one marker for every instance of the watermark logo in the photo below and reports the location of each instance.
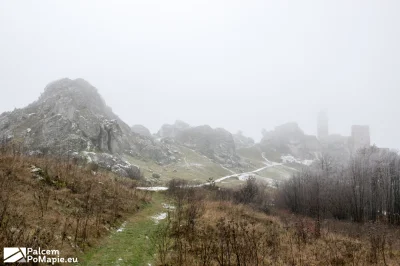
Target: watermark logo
(12, 255)
(30, 255)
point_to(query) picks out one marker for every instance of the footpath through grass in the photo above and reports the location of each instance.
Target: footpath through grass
(131, 244)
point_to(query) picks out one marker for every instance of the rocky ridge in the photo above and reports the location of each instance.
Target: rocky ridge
(141, 130)
(217, 144)
(69, 118)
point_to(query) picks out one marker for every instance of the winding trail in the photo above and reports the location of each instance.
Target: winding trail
(131, 244)
(268, 164)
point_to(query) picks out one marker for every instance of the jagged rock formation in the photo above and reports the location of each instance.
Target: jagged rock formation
(70, 117)
(141, 130)
(290, 139)
(112, 163)
(217, 144)
(171, 131)
(242, 141)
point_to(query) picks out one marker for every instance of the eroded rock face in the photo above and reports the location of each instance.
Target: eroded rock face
(71, 116)
(141, 130)
(112, 163)
(171, 131)
(217, 144)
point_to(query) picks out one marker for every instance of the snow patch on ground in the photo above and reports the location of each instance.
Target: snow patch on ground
(87, 154)
(244, 177)
(157, 218)
(168, 206)
(35, 169)
(198, 165)
(292, 159)
(122, 228)
(152, 188)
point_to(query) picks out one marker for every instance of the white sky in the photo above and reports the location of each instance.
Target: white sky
(235, 64)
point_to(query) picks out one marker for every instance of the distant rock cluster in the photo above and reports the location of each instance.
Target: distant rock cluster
(217, 144)
(71, 118)
(141, 130)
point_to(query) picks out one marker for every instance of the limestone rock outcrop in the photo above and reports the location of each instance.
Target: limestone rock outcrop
(70, 116)
(141, 130)
(217, 144)
(171, 131)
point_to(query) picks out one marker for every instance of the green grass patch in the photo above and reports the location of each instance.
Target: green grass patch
(132, 245)
(252, 155)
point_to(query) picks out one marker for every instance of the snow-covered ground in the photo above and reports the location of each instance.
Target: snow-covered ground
(122, 228)
(244, 177)
(168, 206)
(157, 218)
(153, 188)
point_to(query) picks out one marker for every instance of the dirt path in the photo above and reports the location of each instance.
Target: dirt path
(268, 164)
(130, 244)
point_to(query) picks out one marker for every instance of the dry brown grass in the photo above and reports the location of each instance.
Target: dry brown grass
(225, 233)
(63, 206)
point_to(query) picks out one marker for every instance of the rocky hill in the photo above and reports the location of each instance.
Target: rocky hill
(71, 118)
(141, 130)
(171, 131)
(217, 144)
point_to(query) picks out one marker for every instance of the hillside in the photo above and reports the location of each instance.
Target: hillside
(71, 119)
(56, 204)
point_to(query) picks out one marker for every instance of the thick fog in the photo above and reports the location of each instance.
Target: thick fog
(241, 65)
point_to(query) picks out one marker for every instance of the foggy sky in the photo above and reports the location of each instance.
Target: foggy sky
(241, 65)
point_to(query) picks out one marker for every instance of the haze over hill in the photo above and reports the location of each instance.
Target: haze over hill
(71, 120)
(241, 66)
(190, 132)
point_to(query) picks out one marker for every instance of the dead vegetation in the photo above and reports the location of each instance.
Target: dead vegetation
(60, 205)
(212, 227)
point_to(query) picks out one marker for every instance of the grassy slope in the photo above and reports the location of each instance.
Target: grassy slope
(193, 167)
(252, 155)
(132, 246)
(277, 173)
(198, 168)
(60, 205)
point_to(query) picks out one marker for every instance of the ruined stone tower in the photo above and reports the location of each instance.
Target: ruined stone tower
(360, 137)
(322, 125)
